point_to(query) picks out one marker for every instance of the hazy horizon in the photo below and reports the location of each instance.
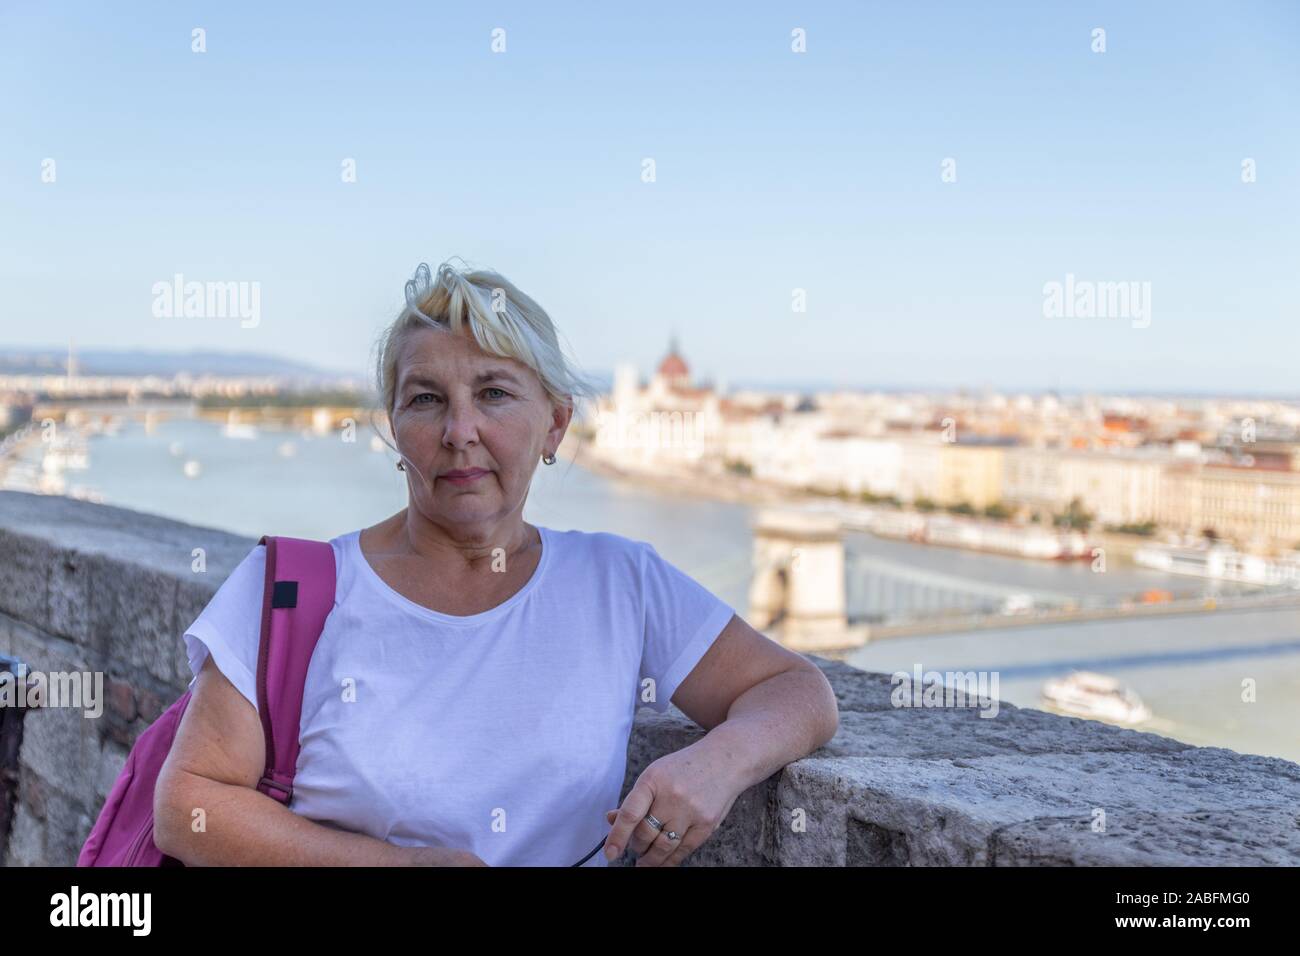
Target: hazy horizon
(604, 377)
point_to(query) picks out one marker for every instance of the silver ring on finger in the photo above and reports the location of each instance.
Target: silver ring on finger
(671, 834)
(654, 823)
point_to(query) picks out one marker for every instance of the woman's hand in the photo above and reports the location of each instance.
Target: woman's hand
(683, 790)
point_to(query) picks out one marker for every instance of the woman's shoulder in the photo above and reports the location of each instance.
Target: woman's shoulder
(601, 547)
(341, 542)
(256, 557)
(249, 568)
(249, 574)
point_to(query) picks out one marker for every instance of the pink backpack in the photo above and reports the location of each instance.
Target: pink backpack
(299, 595)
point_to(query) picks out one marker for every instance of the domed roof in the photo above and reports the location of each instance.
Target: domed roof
(673, 365)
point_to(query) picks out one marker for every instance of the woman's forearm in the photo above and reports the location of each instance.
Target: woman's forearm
(776, 721)
(244, 827)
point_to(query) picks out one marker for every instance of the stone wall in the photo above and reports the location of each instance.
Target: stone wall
(86, 587)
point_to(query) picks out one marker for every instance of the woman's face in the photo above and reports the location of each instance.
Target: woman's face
(458, 408)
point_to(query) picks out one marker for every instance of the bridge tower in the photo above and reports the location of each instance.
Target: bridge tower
(798, 587)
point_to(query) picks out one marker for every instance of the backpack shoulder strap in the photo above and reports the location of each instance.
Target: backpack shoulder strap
(298, 596)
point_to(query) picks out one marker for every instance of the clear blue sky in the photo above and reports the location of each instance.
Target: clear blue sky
(775, 171)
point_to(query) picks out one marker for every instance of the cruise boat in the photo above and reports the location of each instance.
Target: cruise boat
(66, 453)
(239, 430)
(234, 428)
(1221, 563)
(972, 534)
(1001, 538)
(1096, 697)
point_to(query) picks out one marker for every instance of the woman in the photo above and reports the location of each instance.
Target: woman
(472, 693)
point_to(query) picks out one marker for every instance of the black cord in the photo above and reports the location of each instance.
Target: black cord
(592, 853)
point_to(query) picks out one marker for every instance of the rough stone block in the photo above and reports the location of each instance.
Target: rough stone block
(70, 598)
(24, 577)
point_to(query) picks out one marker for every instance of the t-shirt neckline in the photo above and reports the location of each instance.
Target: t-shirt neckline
(458, 620)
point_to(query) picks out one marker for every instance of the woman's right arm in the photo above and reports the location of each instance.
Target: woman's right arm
(216, 760)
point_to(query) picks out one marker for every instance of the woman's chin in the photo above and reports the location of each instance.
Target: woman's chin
(469, 507)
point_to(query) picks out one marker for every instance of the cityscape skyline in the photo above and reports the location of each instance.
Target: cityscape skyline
(1221, 468)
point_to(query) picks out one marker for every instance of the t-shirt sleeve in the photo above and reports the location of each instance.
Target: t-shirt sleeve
(230, 627)
(682, 620)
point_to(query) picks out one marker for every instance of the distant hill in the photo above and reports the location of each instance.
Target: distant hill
(30, 361)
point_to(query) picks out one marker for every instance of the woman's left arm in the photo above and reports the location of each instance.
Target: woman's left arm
(763, 707)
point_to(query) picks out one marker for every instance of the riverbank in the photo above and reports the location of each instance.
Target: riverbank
(735, 488)
(729, 487)
(961, 624)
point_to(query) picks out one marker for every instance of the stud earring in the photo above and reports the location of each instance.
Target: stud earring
(401, 467)
(548, 458)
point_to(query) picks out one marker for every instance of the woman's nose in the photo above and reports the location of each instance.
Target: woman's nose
(460, 425)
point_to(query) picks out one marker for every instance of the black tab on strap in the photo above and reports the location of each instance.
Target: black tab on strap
(285, 594)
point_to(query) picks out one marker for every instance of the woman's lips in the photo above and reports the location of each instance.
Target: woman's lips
(464, 477)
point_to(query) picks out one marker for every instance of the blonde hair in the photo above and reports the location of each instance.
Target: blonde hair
(504, 321)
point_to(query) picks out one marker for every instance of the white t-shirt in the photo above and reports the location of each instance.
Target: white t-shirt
(504, 733)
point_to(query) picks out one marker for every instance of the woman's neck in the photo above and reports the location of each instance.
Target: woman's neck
(404, 534)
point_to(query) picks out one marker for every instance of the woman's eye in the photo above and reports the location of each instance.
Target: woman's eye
(496, 394)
